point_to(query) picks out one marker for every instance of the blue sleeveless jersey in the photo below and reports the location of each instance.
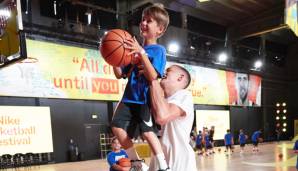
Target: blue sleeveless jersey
(137, 88)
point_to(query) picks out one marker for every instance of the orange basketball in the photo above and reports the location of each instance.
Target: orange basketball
(124, 162)
(112, 49)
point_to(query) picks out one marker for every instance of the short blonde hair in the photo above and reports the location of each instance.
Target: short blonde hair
(159, 13)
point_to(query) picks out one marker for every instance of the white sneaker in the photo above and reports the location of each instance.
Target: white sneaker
(145, 167)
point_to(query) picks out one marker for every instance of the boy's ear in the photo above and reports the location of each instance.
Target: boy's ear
(160, 30)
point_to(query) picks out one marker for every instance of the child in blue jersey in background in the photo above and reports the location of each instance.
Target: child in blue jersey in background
(242, 140)
(255, 140)
(208, 145)
(132, 116)
(116, 154)
(228, 141)
(199, 143)
(296, 152)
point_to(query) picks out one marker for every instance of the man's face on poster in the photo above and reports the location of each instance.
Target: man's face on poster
(242, 80)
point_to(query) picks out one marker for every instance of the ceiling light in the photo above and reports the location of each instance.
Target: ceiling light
(55, 7)
(89, 15)
(173, 47)
(258, 64)
(222, 57)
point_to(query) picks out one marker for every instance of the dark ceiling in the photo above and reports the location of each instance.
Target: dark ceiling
(209, 24)
(246, 22)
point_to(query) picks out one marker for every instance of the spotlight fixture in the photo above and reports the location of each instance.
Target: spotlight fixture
(284, 124)
(284, 129)
(173, 47)
(222, 57)
(55, 7)
(277, 111)
(277, 104)
(258, 64)
(284, 104)
(89, 15)
(284, 117)
(285, 110)
(277, 118)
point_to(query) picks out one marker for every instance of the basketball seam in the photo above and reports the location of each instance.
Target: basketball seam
(112, 41)
(114, 51)
(117, 34)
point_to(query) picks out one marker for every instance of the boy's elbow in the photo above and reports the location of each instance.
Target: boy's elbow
(161, 121)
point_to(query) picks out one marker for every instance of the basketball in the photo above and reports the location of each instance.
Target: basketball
(280, 155)
(124, 162)
(112, 49)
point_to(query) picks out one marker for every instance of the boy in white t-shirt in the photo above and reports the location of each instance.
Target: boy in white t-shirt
(172, 108)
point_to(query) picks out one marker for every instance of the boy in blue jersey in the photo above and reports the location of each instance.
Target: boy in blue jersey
(296, 151)
(228, 141)
(242, 140)
(116, 154)
(208, 145)
(132, 116)
(199, 140)
(255, 140)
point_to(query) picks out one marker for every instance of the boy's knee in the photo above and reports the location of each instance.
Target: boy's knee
(148, 135)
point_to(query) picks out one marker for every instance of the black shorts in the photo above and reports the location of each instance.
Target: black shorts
(135, 119)
(199, 146)
(255, 143)
(242, 145)
(208, 146)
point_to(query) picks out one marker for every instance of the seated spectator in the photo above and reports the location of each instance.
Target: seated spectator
(116, 154)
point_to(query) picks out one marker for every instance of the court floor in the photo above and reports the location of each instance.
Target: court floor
(266, 160)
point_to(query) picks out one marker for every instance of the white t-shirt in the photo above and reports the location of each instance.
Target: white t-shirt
(175, 136)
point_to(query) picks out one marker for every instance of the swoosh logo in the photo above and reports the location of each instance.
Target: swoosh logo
(149, 123)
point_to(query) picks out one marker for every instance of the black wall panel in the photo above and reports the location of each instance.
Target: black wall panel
(71, 119)
(250, 119)
(17, 101)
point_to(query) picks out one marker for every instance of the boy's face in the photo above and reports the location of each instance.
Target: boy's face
(116, 145)
(149, 28)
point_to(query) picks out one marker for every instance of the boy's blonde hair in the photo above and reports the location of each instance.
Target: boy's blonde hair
(159, 13)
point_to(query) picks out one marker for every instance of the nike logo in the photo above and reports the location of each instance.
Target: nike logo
(149, 123)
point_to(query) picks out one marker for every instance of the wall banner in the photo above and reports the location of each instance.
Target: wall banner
(59, 71)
